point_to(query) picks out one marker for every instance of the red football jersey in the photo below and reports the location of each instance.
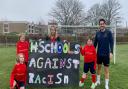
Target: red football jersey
(19, 73)
(23, 47)
(89, 53)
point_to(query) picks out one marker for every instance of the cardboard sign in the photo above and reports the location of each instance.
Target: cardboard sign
(53, 64)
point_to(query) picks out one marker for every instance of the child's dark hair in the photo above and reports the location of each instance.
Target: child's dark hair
(102, 20)
(90, 38)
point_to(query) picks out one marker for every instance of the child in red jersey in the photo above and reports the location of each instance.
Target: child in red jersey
(89, 54)
(22, 46)
(18, 74)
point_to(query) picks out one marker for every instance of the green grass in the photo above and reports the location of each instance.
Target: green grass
(118, 72)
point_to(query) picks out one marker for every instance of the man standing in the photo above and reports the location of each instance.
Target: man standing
(104, 40)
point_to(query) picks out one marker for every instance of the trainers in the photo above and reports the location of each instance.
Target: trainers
(93, 86)
(97, 83)
(106, 87)
(81, 84)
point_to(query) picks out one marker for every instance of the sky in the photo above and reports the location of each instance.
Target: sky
(37, 10)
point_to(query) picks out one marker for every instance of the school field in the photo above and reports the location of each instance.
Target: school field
(118, 72)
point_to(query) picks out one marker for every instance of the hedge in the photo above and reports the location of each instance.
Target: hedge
(80, 39)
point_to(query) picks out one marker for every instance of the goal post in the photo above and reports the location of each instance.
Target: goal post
(77, 31)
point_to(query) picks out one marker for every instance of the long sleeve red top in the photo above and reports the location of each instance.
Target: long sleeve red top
(18, 73)
(23, 47)
(89, 53)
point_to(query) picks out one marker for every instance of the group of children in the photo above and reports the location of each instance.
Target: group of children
(103, 39)
(19, 72)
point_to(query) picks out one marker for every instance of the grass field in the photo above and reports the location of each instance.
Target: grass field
(118, 72)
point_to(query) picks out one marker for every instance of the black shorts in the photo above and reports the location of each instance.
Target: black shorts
(20, 84)
(103, 59)
(89, 66)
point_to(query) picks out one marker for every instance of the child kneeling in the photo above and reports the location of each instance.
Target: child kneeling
(18, 75)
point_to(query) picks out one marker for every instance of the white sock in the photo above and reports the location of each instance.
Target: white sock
(98, 78)
(106, 82)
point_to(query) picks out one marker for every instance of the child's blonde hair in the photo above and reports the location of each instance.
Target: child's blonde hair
(21, 34)
(17, 58)
(53, 26)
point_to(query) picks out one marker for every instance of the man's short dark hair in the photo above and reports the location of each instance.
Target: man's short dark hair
(102, 20)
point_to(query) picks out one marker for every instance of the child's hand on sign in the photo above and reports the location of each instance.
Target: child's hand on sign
(81, 48)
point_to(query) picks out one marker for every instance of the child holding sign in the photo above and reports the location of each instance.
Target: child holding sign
(53, 36)
(18, 75)
(89, 54)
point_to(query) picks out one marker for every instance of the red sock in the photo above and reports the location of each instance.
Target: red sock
(82, 79)
(93, 78)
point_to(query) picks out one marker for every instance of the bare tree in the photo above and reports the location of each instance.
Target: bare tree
(94, 14)
(68, 12)
(109, 10)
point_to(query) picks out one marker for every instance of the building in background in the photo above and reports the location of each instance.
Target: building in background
(38, 28)
(13, 26)
(22, 27)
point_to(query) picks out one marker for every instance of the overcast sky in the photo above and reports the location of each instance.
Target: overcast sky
(35, 10)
